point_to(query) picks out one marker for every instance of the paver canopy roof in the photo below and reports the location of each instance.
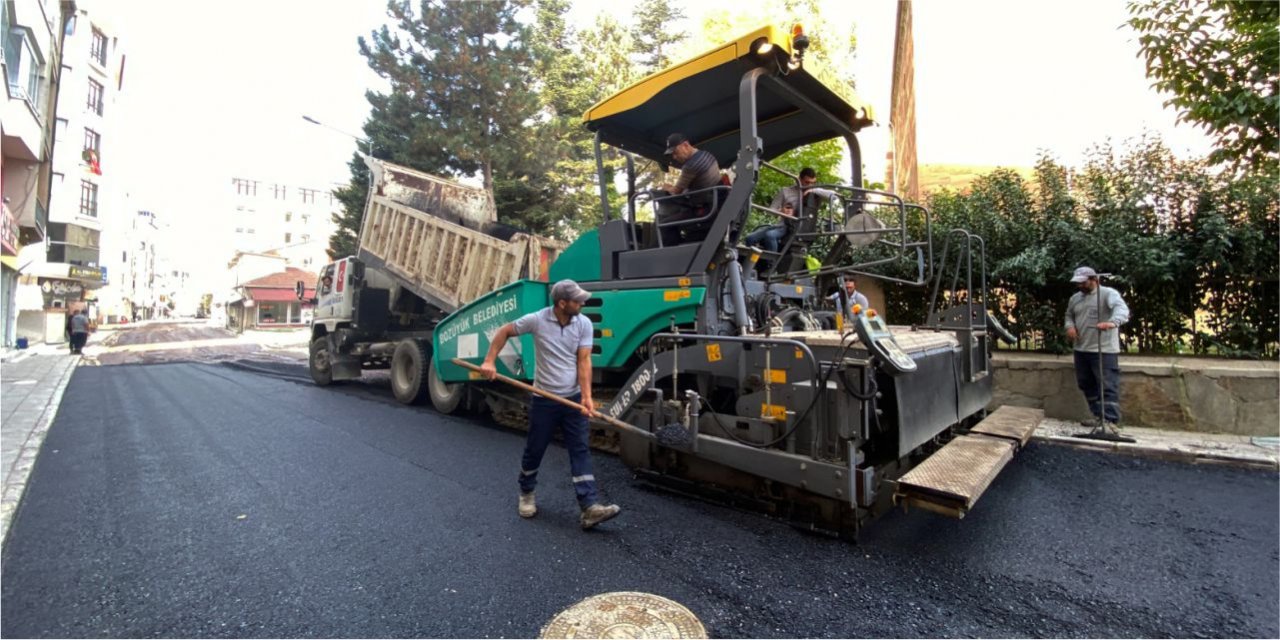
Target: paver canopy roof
(699, 98)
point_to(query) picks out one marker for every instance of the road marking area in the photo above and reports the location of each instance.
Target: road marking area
(625, 614)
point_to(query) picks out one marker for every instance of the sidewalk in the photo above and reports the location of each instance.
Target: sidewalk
(31, 386)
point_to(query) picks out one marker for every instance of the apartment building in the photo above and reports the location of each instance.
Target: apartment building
(85, 196)
(32, 32)
(290, 221)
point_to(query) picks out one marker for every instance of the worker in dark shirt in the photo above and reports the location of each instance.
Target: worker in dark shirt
(698, 170)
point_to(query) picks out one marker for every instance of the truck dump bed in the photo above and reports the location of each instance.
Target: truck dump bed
(441, 239)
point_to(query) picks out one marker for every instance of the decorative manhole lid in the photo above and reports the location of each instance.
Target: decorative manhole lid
(625, 614)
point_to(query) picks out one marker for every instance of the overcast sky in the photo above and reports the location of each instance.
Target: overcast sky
(216, 90)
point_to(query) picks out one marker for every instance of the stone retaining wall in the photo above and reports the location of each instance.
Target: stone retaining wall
(1192, 394)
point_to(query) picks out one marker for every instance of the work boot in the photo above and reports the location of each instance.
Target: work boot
(528, 508)
(1092, 423)
(597, 513)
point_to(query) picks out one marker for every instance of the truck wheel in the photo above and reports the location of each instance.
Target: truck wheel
(409, 371)
(445, 397)
(319, 363)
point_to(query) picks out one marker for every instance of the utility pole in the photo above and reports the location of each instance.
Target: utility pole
(902, 116)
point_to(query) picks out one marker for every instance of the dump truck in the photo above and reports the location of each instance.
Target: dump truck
(742, 382)
(427, 247)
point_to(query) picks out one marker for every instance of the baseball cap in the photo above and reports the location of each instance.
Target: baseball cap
(569, 290)
(674, 141)
(1083, 273)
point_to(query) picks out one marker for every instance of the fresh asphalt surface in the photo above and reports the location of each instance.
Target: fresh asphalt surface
(201, 500)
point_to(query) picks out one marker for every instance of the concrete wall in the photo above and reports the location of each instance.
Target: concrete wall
(1192, 394)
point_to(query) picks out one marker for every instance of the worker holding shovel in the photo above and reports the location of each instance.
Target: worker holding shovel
(563, 338)
(1093, 318)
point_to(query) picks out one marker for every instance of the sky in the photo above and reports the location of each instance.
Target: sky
(218, 90)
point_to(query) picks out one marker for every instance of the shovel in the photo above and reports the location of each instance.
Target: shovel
(613, 422)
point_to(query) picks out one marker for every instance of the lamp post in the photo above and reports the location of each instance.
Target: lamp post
(367, 143)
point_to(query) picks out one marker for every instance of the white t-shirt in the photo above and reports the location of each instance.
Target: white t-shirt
(557, 349)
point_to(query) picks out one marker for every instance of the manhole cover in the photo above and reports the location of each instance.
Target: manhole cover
(625, 614)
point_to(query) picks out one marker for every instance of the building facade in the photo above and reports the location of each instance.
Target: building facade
(32, 32)
(286, 220)
(271, 301)
(83, 198)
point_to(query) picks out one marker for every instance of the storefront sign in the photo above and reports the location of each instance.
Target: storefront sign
(85, 273)
(60, 293)
(61, 287)
(8, 233)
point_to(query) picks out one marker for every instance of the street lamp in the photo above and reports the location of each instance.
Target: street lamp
(367, 143)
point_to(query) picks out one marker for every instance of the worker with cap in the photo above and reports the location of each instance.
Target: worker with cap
(562, 339)
(1093, 318)
(698, 170)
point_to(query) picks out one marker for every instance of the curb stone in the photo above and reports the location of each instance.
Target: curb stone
(1179, 455)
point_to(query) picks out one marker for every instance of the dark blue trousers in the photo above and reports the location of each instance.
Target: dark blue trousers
(545, 416)
(1087, 380)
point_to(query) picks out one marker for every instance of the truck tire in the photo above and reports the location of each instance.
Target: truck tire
(319, 363)
(445, 397)
(409, 371)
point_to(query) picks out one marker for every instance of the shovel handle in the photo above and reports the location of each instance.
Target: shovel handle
(551, 396)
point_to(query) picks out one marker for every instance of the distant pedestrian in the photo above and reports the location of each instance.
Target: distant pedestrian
(562, 337)
(79, 331)
(1094, 326)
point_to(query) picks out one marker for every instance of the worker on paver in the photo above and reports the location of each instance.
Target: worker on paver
(562, 337)
(1093, 325)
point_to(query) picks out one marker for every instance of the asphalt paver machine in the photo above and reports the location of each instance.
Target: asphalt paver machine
(742, 381)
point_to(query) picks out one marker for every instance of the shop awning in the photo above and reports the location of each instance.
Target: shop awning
(276, 295)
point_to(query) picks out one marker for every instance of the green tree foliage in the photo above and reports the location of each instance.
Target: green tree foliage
(463, 69)
(346, 235)
(1192, 251)
(654, 36)
(1219, 60)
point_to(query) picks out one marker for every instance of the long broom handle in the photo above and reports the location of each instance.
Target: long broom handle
(564, 401)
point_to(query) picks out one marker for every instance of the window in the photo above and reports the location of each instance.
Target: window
(279, 191)
(92, 153)
(288, 216)
(92, 141)
(24, 63)
(95, 96)
(88, 198)
(288, 237)
(98, 48)
(308, 195)
(245, 187)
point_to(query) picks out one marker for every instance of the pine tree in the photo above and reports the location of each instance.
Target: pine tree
(462, 68)
(654, 35)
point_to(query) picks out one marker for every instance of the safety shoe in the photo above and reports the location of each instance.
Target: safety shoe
(597, 513)
(1091, 422)
(528, 508)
